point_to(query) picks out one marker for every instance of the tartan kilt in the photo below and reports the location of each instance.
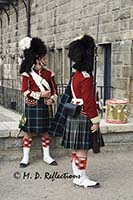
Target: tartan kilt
(37, 118)
(77, 134)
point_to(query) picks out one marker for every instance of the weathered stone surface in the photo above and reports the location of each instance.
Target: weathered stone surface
(125, 4)
(107, 128)
(124, 14)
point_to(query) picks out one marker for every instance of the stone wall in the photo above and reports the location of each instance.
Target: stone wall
(57, 22)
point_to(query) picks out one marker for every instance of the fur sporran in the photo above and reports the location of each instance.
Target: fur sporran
(72, 109)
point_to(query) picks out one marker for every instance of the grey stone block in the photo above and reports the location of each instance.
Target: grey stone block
(4, 131)
(118, 138)
(107, 128)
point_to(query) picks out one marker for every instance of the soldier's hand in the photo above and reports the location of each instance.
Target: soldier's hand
(94, 127)
(49, 102)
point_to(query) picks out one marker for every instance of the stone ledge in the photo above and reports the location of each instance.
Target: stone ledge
(9, 121)
(10, 113)
(11, 143)
(112, 133)
(9, 129)
(116, 128)
(4, 131)
(110, 138)
(118, 138)
(36, 153)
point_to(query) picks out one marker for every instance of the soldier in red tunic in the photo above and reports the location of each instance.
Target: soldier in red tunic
(79, 129)
(40, 92)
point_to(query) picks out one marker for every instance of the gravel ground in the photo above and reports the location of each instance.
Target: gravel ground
(113, 169)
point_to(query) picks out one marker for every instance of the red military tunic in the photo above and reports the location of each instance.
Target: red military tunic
(82, 84)
(37, 112)
(30, 88)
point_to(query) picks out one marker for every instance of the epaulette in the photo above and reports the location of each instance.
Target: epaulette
(85, 74)
(25, 74)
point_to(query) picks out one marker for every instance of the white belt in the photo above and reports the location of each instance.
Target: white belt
(78, 101)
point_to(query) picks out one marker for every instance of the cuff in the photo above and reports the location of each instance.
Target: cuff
(95, 120)
(35, 95)
(26, 93)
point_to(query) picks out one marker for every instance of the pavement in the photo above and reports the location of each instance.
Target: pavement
(113, 168)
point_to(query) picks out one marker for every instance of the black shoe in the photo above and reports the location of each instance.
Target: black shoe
(23, 165)
(95, 186)
(54, 163)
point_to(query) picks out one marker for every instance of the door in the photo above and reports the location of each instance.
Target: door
(107, 72)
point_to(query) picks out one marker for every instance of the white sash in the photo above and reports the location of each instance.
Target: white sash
(75, 100)
(39, 81)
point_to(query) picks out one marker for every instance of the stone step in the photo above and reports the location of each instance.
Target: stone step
(15, 154)
(110, 137)
(112, 134)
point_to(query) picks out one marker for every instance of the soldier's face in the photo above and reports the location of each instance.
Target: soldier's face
(43, 61)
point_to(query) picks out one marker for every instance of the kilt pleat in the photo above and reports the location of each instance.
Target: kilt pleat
(37, 118)
(77, 134)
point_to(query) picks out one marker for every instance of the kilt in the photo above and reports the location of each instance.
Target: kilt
(37, 118)
(77, 134)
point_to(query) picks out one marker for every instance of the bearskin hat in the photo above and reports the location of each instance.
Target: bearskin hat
(81, 51)
(33, 48)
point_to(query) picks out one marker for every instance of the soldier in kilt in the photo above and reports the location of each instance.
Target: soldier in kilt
(40, 92)
(78, 130)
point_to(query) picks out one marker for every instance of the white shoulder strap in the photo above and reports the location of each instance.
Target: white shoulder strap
(74, 99)
(39, 81)
(72, 91)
